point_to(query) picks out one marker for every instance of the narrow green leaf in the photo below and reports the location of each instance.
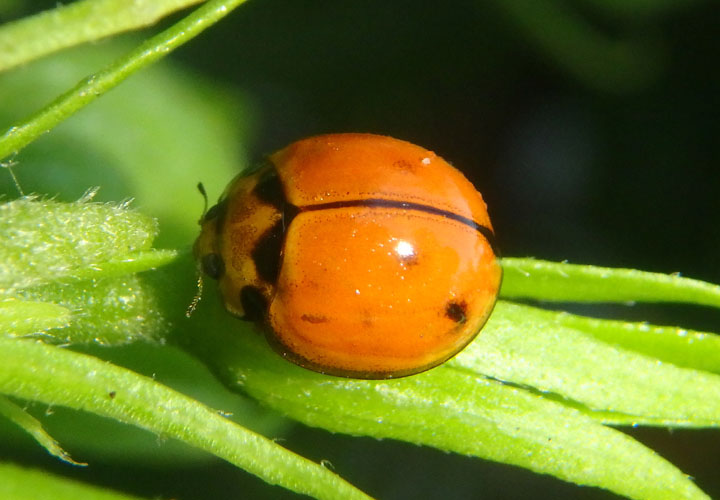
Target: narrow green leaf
(451, 408)
(133, 262)
(95, 85)
(21, 317)
(556, 281)
(457, 412)
(38, 372)
(83, 21)
(18, 483)
(32, 426)
(98, 440)
(679, 346)
(536, 348)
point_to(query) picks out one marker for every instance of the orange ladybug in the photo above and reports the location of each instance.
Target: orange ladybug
(359, 255)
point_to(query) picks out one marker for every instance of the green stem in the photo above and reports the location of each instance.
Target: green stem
(35, 36)
(95, 85)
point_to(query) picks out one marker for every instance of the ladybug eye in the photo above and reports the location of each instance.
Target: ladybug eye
(213, 265)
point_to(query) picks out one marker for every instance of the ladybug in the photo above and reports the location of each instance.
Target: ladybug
(358, 255)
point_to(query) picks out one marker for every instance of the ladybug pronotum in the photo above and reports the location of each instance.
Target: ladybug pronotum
(358, 255)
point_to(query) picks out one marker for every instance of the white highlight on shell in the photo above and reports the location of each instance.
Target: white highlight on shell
(404, 249)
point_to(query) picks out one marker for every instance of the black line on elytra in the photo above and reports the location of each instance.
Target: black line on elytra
(405, 205)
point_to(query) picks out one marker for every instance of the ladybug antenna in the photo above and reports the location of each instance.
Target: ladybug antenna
(198, 295)
(201, 188)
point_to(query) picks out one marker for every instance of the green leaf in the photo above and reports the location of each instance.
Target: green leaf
(105, 311)
(679, 346)
(456, 408)
(43, 241)
(543, 350)
(558, 281)
(21, 317)
(19, 483)
(458, 412)
(83, 21)
(72, 265)
(32, 426)
(99, 440)
(38, 372)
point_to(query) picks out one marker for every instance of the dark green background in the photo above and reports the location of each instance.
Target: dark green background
(591, 156)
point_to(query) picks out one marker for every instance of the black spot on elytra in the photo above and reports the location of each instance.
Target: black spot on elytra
(112, 394)
(254, 303)
(212, 264)
(456, 311)
(267, 252)
(313, 319)
(269, 189)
